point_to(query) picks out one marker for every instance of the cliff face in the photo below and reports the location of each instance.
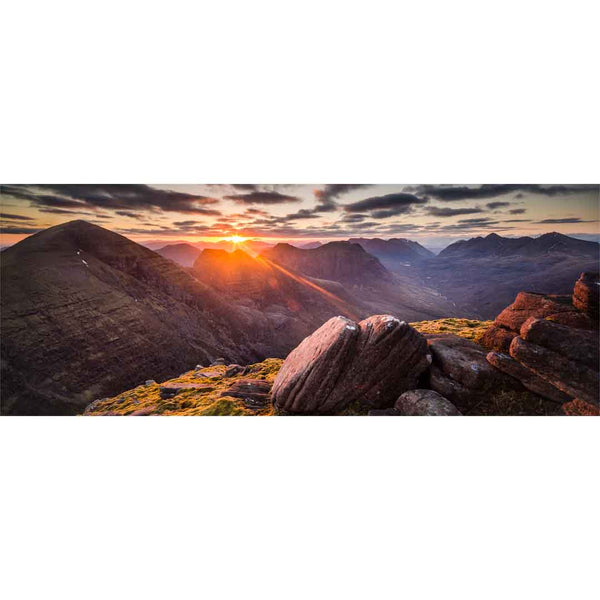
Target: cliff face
(85, 312)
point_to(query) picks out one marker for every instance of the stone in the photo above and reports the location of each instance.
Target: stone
(343, 362)
(150, 382)
(384, 412)
(586, 294)
(556, 308)
(580, 345)
(574, 379)
(143, 412)
(425, 403)
(497, 338)
(254, 392)
(233, 370)
(218, 362)
(534, 383)
(461, 373)
(168, 390)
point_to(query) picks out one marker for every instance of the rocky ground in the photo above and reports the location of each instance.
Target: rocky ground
(539, 357)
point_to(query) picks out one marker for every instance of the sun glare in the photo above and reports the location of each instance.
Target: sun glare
(236, 239)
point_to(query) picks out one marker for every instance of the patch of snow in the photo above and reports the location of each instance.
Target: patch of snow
(83, 261)
(475, 368)
(351, 327)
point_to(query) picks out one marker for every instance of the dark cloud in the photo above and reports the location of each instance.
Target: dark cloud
(262, 197)
(448, 193)
(353, 218)
(494, 205)
(9, 217)
(439, 211)
(566, 220)
(381, 207)
(19, 229)
(117, 196)
(327, 196)
(131, 215)
(516, 221)
(517, 211)
(304, 213)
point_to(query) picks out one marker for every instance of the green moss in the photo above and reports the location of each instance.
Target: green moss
(467, 328)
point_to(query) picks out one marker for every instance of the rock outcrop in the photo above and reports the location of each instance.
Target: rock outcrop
(254, 392)
(425, 403)
(461, 373)
(507, 324)
(586, 295)
(344, 362)
(554, 352)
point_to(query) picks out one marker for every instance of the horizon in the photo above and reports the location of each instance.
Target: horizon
(433, 215)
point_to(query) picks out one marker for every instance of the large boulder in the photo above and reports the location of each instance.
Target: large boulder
(461, 373)
(424, 403)
(343, 362)
(573, 378)
(586, 294)
(580, 345)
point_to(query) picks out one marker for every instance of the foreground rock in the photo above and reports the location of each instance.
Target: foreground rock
(168, 390)
(528, 378)
(507, 324)
(573, 378)
(586, 294)
(461, 373)
(254, 392)
(344, 362)
(425, 403)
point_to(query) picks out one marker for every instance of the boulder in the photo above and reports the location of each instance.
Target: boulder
(580, 345)
(497, 338)
(168, 390)
(586, 294)
(534, 383)
(556, 308)
(254, 392)
(574, 379)
(233, 370)
(425, 403)
(461, 372)
(218, 362)
(344, 362)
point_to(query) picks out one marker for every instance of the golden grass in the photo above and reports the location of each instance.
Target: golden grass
(145, 399)
(466, 328)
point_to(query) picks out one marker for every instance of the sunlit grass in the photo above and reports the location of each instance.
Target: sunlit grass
(466, 328)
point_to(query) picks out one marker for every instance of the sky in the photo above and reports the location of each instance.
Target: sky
(434, 215)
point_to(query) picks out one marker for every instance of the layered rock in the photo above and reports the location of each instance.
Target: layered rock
(586, 294)
(461, 373)
(344, 362)
(573, 378)
(254, 392)
(507, 324)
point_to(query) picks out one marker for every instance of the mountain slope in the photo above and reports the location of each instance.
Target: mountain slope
(87, 312)
(183, 254)
(396, 252)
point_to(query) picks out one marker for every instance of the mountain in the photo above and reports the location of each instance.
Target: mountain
(394, 253)
(371, 286)
(494, 245)
(338, 261)
(308, 245)
(484, 274)
(184, 254)
(87, 313)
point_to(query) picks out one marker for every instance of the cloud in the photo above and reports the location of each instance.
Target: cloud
(452, 193)
(516, 221)
(327, 196)
(565, 220)
(118, 196)
(262, 197)
(517, 211)
(494, 205)
(19, 229)
(131, 215)
(439, 211)
(381, 207)
(9, 217)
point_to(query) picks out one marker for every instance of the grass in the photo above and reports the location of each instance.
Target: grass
(145, 399)
(466, 328)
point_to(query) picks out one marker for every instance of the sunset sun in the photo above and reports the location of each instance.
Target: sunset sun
(235, 239)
